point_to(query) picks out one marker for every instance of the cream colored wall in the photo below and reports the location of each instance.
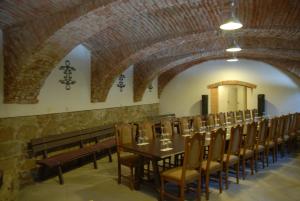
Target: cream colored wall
(53, 97)
(183, 94)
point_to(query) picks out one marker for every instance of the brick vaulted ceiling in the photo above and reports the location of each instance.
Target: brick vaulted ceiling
(159, 37)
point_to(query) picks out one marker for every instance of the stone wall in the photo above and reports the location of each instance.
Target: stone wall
(15, 133)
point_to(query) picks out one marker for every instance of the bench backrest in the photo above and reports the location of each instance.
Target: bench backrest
(46, 144)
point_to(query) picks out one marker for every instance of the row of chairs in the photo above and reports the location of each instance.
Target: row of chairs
(253, 145)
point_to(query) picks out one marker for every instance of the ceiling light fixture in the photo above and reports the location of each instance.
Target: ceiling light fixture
(234, 48)
(232, 23)
(233, 59)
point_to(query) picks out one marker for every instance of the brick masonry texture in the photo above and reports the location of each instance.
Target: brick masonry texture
(15, 133)
(155, 36)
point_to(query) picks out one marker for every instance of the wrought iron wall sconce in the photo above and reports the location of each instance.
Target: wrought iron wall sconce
(67, 81)
(121, 83)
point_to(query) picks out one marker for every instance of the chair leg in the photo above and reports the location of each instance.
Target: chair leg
(237, 169)
(119, 173)
(131, 178)
(252, 164)
(244, 168)
(207, 186)
(60, 175)
(95, 160)
(226, 177)
(267, 156)
(220, 181)
(255, 160)
(162, 189)
(273, 154)
(181, 196)
(109, 155)
(263, 159)
(199, 189)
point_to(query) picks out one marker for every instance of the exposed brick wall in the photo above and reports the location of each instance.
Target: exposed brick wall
(124, 32)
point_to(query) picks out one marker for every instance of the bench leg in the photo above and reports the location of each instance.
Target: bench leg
(60, 175)
(109, 155)
(95, 160)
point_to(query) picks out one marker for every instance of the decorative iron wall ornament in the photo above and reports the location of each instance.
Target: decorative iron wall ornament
(68, 75)
(121, 83)
(150, 87)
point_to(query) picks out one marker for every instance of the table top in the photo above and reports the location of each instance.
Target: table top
(153, 150)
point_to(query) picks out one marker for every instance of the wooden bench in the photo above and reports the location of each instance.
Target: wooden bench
(87, 143)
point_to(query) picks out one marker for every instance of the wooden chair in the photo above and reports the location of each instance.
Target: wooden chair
(261, 142)
(197, 123)
(222, 118)
(247, 151)
(232, 156)
(184, 125)
(167, 126)
(189, 172)
(230, 118)
(214, 162)
(211, 120)
(239, 116)
(247, 115)
(271, 140)
(254, 113)
(279, 139)
(286, 130)
(293, 130)
(147, 129)
(124, 134)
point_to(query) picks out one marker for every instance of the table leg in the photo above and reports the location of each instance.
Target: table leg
(156, 174)
(139, 172)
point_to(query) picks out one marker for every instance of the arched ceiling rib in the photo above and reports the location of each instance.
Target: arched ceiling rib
(122, 32)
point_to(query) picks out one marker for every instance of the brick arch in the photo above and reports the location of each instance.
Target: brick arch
(69, 36)
(103, 76)
(287, 66)
(103, 18)
(149, 70)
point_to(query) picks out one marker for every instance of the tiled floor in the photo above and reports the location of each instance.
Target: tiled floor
(278, 182)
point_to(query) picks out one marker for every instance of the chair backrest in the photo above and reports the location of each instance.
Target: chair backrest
(194, 151)
(239, 116)
(147, 129)
(217, 145)
(197, 122)
(184, 125)
(254, 113)
(250, 140)
(124, 134)
(166, 126)
(286, 125)
(293, 123)
(231, 117)
(280, 127)
(273, 128)
(262, 132)
(247, 114)
(235, 141)
(222, 118)
(211, 120)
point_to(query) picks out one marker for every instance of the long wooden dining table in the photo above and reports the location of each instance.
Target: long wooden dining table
(153, 151)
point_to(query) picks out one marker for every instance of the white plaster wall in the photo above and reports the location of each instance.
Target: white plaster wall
(182, 95)
(53, 97)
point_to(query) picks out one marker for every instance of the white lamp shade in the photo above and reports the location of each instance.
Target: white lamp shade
(232, 59)
(231, 24)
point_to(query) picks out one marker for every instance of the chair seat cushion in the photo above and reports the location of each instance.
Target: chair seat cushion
(279, 140)
(129, 159)
(232, 158)
(293, 134)
(176, 174)
(248, 153)
(260, 148)
(271, 143)
(213, 166)
(286, 137)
